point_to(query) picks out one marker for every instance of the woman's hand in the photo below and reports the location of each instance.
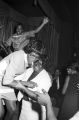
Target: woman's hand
(31, 84)
(46, 20)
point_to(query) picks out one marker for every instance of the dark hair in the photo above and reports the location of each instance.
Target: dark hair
(18, 24)
(37, 47)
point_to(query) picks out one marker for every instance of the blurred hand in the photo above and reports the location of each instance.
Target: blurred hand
(43, 98)
(46, 20)
(31, 84)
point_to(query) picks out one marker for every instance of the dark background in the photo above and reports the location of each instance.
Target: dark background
(61, 34)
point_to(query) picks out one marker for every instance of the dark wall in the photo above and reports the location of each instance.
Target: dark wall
(65, 44)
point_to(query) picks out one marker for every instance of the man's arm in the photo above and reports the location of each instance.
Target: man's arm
(44, 99)
(50, 112)
(13, 84)
(18, 85)
(24, 89)
(29, 84)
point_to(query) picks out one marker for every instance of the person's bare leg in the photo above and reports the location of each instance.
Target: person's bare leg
(11, 110)
(1, 110)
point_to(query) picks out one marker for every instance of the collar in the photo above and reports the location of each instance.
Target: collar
(25, 60)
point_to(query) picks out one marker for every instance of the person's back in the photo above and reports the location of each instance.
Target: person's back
(15, 65)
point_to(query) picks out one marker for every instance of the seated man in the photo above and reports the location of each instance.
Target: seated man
(43, 80)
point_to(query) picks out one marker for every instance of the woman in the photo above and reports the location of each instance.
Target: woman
(21, 39)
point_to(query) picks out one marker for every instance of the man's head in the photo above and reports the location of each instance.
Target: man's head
(37, 66)
(32, 57)
(35, 50)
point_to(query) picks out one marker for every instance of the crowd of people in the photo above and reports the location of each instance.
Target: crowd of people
(23, 71)
(24, 81)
